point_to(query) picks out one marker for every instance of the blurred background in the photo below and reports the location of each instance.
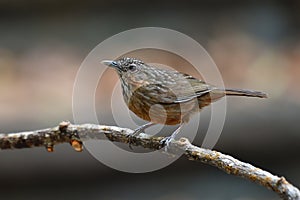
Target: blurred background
(255, 44)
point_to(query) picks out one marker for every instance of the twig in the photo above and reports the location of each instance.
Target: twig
(75, 134)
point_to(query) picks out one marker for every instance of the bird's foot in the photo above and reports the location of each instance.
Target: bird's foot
(137, 132)
(167, 141)
(131, 137)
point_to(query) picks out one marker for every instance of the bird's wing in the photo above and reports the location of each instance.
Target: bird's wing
(199, 87)
(156, 93)
(186, 89)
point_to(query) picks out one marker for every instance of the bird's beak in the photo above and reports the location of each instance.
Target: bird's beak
(111, 63)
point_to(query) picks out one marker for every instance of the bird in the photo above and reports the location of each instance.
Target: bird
(179, 94)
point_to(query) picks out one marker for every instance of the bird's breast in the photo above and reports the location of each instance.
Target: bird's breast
(150, 110)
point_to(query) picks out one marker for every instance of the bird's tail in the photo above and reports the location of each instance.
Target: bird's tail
(248, 93)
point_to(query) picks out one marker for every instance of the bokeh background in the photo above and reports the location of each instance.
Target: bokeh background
(255, 44)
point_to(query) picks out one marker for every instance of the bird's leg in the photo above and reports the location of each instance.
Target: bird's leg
(142, 128)
(139, 130)
(166, 141)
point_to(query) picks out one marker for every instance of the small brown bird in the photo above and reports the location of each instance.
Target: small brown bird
(181, 95)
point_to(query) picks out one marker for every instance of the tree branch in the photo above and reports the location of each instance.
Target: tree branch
(75, 134)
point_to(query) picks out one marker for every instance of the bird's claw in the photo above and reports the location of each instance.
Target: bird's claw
(131, 136)
(166, 142)
(130, 140)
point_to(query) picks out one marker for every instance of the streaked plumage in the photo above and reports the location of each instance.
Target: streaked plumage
(181, 95)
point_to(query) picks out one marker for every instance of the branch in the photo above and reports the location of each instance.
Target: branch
(75, 134)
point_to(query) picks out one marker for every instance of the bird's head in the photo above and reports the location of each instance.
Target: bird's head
(130, 70)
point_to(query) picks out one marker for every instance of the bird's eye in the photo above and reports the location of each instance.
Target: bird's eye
(132, 68)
